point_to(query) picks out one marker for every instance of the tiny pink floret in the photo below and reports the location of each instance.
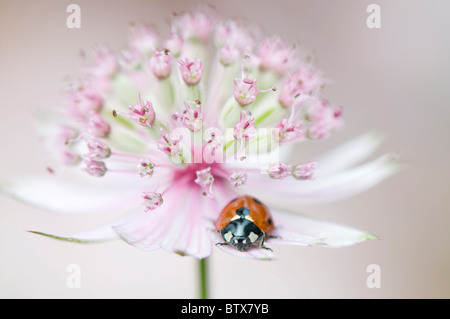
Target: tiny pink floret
(152, 200)
(191, 70)
(279, 170)
(304, 170)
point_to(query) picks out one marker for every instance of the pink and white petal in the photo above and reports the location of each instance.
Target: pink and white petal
(176, 226)
(290, 192)
(96, 235)
(101, 233)
(145, 230)
(187, 233)
(70, 196)
(257, 161)
(68, 238)
(223, 194)
(347, 155)
(297, 229)
(285, 235)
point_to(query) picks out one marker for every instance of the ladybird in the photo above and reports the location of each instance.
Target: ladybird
(243, 222)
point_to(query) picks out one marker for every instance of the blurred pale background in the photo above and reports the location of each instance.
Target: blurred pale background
(393, 79)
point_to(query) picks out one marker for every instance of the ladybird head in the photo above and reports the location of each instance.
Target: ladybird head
(241, 232)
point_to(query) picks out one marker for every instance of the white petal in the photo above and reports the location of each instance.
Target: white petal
(92, 237)
(347, 155)
(290, 192)
(298, 229)
(71, 196)
(177, 226)
(101, 233)
(262, 160)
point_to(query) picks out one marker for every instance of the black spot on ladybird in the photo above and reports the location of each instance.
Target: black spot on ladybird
(257, 201)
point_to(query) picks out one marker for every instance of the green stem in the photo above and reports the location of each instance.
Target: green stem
(203, 276)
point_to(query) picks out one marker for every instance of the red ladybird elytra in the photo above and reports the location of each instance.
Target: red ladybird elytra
(243, 222)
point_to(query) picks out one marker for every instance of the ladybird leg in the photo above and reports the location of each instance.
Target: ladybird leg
(271, 236)
(222, 244)
(261, 243)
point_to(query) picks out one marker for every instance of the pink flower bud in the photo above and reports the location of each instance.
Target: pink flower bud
(142, 113)
(152, 200)
(196, 25)
(192, 117)
(95, 168)
(306, 81)
(174, 44)
(146, 168)
(245, 91)
(168, 144)
(279, 170)
(97, 150)
(204, 177)
(324, 117)
(245, 128)
(238, 178)
(105, 62)
(97, 126)
(205, 180)
(304, 170)
(228, 55)
(285, 131)
(191, 70)
(275, 55)
(143, 37)
(160, 64)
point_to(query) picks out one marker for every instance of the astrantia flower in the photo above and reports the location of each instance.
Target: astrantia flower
(202, 129)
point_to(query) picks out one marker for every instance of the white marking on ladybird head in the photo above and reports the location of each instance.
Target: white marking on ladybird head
(235, 217)
(228, 236)
(253, 237)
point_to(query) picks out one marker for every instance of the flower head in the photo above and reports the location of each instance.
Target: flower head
(213, 148)
(160, 64)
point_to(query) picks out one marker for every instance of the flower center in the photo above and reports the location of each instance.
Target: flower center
(201, 175)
